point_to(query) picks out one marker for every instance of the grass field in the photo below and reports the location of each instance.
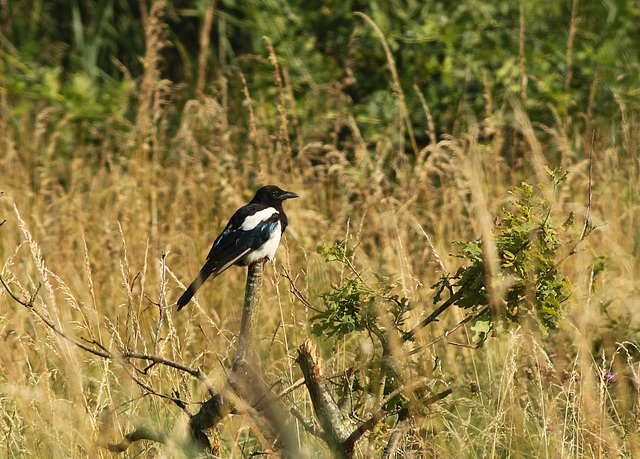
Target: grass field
(115, 188)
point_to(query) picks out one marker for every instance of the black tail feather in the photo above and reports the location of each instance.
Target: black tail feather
(193, 288)
(212, 268)
(186, 297)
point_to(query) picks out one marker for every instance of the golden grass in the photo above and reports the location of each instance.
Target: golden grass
(92, 228)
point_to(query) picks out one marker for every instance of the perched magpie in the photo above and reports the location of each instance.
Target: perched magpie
(253, 233)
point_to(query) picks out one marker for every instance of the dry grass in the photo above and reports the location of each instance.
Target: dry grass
(92, 228)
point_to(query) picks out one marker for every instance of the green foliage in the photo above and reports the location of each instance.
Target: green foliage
(458, 55)
(527, 287)
(527, 244)
(352, 305)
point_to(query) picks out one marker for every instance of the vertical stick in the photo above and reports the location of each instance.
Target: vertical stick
(220, 405)
(246, 339)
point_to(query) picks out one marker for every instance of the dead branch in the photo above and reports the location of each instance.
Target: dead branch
(336, 426)
(309, 426)
(339, 432)
(245, 386)
(224, 402)
(394, 439)
(101, 351)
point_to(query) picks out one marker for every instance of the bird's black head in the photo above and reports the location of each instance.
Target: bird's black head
(271, 195)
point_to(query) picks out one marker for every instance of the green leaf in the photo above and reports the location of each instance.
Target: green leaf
(482, 326)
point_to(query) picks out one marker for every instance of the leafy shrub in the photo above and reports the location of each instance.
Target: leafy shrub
(529, 247)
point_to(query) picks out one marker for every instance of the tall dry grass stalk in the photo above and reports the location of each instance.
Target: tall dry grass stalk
(205, 40)
(397, 87)
(282, 109)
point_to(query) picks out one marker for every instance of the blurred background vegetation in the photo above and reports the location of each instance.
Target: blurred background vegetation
(577, 61)
(129, 129)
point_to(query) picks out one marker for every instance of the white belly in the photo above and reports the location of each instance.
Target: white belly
(268, 249)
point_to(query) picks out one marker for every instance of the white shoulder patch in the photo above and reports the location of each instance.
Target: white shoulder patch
(260, 216)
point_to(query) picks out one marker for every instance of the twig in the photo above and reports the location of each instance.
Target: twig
(434, 315)
(101, 350)
(155, 303)
(451, 330)
(437, 397)
(308, 425)
(363, 428)
(372, 420)
(293, 386)
(404, 388)
(95, 343)
(586, 227)
(150, 391)
(29, 305)
(394, 440)
(297, 293)
(156, 359)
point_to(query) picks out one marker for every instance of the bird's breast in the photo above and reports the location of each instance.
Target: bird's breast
(267, 249)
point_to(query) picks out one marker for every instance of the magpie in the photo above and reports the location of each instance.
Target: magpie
(253, 233)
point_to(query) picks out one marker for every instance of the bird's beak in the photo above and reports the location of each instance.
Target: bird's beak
(288, 195)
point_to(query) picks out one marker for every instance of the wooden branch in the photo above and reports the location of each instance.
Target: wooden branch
(101, 351)
(394, 439)
(364, 427)
(245, 386)
(29, 305)
(308, 425)
(340, 433)
(434, 315)
(337, 427)
(222, 403)
(245, 355)
(372, 420)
